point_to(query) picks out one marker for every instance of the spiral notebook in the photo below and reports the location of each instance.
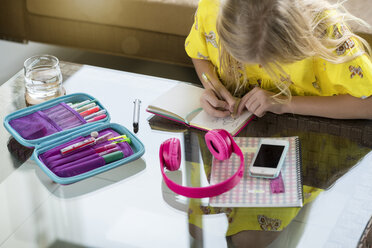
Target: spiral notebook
(255, 192)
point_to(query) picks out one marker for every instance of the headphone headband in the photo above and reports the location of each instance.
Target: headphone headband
(221, 144)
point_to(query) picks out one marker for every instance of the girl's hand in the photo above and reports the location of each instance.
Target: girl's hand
(217, 107)
(258, 102)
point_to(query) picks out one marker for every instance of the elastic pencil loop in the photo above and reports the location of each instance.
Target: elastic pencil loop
(78, 116)
(191, 113)
(46, 117)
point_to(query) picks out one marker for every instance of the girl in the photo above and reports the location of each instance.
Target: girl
(282, 56)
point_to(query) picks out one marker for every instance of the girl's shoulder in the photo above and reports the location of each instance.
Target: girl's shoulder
(207, 13)
(209, 3)
(208, 6)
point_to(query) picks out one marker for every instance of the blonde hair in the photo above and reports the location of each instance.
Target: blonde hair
(274, 32)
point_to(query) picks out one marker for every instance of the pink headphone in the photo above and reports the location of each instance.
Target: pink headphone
(221, 144)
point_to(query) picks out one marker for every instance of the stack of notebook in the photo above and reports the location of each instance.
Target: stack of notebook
(256, 192)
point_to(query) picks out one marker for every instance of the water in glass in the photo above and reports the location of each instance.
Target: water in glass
(43, 77)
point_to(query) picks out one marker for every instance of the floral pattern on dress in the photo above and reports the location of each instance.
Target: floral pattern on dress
(205, 209)
(211, 38)
(355, 71)
(268, 224)
(316, 85)
(336, 33)
(348, 44)
(201, 56)
(286, 79)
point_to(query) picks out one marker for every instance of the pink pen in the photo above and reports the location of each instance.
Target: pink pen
(100, 117)
(104, 148)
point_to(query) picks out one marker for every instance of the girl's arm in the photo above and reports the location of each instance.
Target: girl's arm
(337, 107)
(259, 101)
(209, 100)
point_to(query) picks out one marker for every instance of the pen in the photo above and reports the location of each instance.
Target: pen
(94, 139)
(136, 112)
(208, 81)
(97, 118)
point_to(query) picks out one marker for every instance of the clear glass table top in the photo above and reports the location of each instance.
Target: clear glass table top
(130, 206)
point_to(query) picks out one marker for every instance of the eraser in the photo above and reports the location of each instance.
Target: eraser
(277, 185)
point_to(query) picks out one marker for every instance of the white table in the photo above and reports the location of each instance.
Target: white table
(125, 207)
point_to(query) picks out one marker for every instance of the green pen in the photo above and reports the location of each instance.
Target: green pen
(111, 157)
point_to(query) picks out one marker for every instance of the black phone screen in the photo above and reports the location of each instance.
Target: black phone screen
(268, 156)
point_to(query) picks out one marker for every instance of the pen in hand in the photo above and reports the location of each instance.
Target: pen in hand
(208, 81)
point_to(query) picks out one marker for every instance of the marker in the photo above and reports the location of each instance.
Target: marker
(119, 139)
(136, 112)
(101, 112)
(111, 157)
(79, 104)
(86, 142)
(89, 111)
(115, 149)
(100, 117)
(89, 141)
(105, 148)
(85, 107)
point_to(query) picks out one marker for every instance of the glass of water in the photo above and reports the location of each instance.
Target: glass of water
(43, 78)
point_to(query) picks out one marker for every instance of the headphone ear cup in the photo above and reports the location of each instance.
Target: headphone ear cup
(171, 153)
(219, 143)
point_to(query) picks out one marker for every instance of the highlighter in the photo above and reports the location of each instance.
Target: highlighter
(114, 156)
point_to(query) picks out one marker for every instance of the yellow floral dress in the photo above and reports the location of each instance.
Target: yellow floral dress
(311, 76)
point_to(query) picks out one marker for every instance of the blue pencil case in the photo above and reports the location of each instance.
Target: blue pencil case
(73, 142)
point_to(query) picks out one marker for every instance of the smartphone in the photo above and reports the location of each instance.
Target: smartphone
(269, 157)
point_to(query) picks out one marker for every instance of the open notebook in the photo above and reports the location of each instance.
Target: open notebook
(255, 192)
(182, 103)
